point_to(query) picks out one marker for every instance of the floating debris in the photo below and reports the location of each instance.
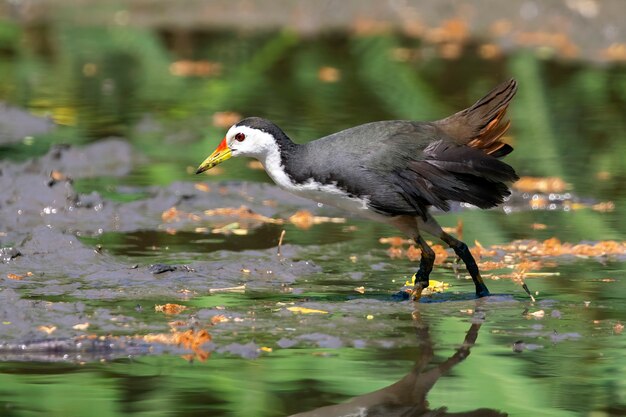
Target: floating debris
(304, 310)
(170, 308)
(16, 277)
(241, 212)
(539, 314)
(190, 339)
(201, 186)
(47, 329)
(239, 288)
(303, 219)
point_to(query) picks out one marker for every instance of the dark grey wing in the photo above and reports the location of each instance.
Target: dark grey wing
(433, 170)
(406, 191)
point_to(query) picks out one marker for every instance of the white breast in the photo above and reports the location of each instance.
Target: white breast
(323, 193)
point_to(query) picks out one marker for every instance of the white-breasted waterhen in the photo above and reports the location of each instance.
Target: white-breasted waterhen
(393, 171)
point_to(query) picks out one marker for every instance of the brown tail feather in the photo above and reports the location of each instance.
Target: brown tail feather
(482, 125)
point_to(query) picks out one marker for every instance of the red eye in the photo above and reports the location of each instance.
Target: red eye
(240, 137)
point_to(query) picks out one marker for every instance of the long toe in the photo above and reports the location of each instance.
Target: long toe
(416, 293)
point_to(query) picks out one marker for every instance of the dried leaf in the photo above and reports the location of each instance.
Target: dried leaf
(604, 207)
(240, 288)
(15, 277)
(441, 254)
(543, 185)
(201, 186)
(490, 265)
(303, 219)
(395, 241)
(413, 253)
(170, 308)
(479, 251)
(242, 212)
(304, 310)
(434, 286)
(58, 176)
(81, 326)
(395, 252)
(190, 339)
(47, 329)
(170, 215)
(220, 318)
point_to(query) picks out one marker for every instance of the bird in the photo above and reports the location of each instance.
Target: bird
(393, 171)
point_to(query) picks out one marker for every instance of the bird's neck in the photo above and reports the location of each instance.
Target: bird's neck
(274, 160)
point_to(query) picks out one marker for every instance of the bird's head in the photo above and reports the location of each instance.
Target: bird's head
(254, 137)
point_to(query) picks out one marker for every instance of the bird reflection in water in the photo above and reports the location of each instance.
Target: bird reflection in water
(407, 397)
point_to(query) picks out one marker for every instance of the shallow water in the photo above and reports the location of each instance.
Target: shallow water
(89, 243)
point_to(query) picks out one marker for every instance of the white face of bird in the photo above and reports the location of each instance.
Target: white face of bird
(247, 141)
(240, 141)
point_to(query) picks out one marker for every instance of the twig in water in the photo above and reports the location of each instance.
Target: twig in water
(525, 287)
(280, 241)
(239, 288)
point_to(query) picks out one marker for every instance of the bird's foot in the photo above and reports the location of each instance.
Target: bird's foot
(416, 293)
(418, 287)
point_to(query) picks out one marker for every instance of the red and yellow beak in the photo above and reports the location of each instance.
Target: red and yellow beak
(218, 156)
